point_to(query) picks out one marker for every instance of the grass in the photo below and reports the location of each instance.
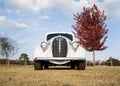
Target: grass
(16, 75)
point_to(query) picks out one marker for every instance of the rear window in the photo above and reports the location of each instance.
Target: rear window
(69, 36)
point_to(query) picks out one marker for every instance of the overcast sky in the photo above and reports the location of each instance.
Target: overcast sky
(27, 21)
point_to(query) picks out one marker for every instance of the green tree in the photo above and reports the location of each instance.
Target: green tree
(24, 57)
(7, 48)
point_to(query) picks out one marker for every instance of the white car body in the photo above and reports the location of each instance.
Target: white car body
(59, 48)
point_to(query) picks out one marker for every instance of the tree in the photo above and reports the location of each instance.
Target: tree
(90, 29)
(112, 62)
(25, 57)
(7, 47)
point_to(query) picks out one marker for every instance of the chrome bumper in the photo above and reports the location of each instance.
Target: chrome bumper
(60, 58)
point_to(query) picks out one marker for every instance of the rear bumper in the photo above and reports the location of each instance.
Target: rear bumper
(60, 58)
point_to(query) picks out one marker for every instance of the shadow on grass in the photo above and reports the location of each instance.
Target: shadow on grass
(59, 68)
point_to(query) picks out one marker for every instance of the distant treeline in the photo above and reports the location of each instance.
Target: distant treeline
(109, 62)
(21, 62)
(115, 62)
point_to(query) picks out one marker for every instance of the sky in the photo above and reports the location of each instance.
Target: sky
(27, 22)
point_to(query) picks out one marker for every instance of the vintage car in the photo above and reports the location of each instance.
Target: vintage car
(59, 48)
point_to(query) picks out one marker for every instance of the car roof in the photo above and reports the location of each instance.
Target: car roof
(59, 32)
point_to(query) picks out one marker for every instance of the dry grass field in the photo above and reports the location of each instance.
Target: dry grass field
(16, 75)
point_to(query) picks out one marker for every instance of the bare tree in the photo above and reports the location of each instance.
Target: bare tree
(7, 48)
(90, 29)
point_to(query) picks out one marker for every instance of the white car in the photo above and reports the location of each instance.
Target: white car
(59, 48)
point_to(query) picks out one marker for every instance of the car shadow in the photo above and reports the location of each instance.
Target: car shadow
(59, 68)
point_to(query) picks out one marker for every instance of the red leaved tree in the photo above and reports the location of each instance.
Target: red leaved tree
(90, 29)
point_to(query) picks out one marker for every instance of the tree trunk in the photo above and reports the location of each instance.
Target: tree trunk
(94, 58)
(7, 61)
(25, 62)
(111, 61)
(86, 63)
(99, 62)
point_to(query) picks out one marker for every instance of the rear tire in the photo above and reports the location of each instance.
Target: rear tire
(38, 65)
(81, 65)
